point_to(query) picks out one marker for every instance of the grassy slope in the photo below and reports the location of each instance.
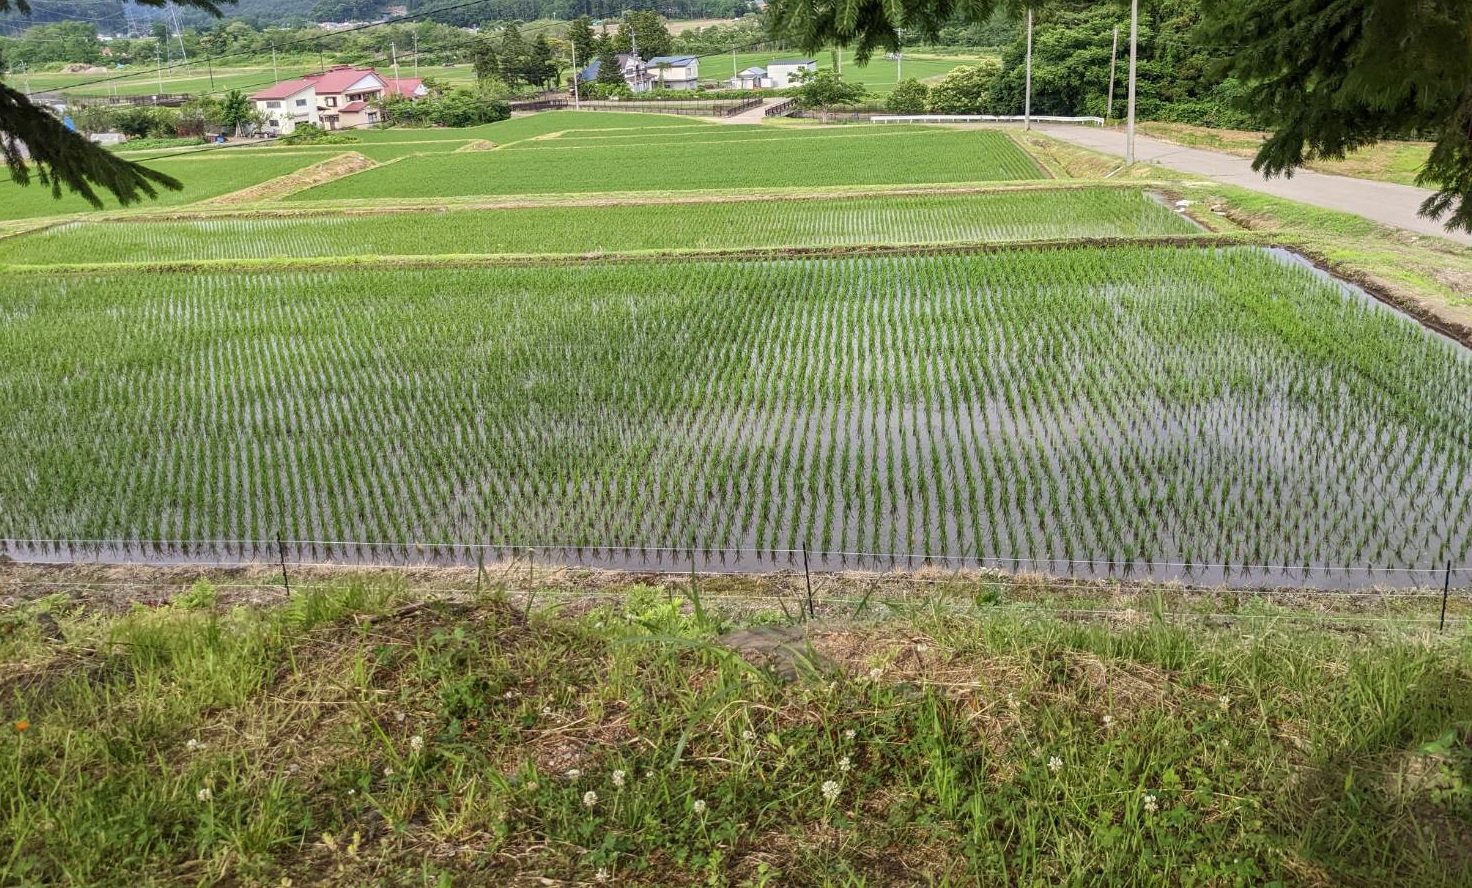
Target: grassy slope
(856, 156)
(1397, 162)
(969, 732)
(929, 220)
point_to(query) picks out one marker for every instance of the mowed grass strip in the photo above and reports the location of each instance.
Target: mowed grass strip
(899, 220)
(864, 158)
(357, 733)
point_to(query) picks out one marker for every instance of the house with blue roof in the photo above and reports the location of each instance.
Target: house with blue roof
(674, 71)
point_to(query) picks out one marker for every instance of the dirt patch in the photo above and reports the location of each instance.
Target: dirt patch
(316, 174)
(477, 145)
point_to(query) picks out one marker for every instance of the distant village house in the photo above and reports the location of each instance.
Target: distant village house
(674, 72)
(343, 97)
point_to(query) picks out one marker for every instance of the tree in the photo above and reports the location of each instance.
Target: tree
(1336, 75)
(580, 35)
(648, 29)
(610, 73)
(869, 25)
(965, 90)
(825, 89)
(235, 110)
(58, 156)
(485, 61)
(909, 97)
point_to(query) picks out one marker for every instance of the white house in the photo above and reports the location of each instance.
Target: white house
(674, 72)
(780, 73)
(751, 78)
(636, 73)
(287, 104)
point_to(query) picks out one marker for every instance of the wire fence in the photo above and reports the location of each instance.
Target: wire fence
(690, 107)
(1442, 578)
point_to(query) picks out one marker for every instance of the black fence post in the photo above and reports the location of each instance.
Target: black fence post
(1446, 589)
(281, 551)
(808, 579)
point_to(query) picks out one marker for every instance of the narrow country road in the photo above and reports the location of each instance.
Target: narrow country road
(754, 115)
(1381, 202)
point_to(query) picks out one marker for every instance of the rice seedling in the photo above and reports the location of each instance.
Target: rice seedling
(1085, 409)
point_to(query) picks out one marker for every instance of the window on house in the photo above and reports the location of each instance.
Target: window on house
(273, 104)
(332, 101)
(301, 103)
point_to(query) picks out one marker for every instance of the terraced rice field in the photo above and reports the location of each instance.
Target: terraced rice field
(856, 156)
(1141, 406)
(903, 219)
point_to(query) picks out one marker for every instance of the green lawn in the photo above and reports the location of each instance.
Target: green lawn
(774, 158)
(994, 218)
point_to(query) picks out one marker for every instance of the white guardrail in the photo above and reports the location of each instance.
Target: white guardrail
(980, 118)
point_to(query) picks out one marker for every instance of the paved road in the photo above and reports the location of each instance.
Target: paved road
(1378, 201)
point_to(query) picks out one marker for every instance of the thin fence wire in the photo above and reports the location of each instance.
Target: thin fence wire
(17, 547)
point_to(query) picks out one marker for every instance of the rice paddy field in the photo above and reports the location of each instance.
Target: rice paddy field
(765, 159)
(911, 346)
(1115, 407)
(739, 224)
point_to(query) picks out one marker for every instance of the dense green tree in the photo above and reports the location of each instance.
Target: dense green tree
(580, 35)
(609, 72)
(236, 110)
(826, 89)
(965, 90)
(909, 97)
(485, 60)
(1336, 75)
(648, 28)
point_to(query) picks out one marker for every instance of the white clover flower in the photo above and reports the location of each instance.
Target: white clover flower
(547, 711)
(416, 743)
(1225, 743)
(699, 806)
(573, 773)
(204, 794)
(875, 674)
(1011, 701)
(602, 875)
(844, 765)
(511, 694)
(1108, 720)
(1224, 702)
(590, 798)
(618, 779)
(748, 735)
(850, 734)
(193, 745)
(1055, 764)
(531, 786)
(1150, 806)
(399, 716)
(830, 790)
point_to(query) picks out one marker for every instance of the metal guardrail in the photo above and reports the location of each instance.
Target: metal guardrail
(780, 109)
(982, 118)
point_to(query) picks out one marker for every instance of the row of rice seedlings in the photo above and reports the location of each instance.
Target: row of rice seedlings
(1105, 405)
(905, 219)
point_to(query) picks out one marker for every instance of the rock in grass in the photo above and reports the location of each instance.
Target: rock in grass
(785, 650)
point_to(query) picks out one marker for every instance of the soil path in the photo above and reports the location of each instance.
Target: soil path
(1382, 202)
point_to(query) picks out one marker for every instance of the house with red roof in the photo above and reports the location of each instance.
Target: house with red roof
(343, 97)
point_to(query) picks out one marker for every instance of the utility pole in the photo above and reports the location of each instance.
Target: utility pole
(577, 101)
(210, 63)
(1113, 52)
(1129, 127)
(416, 52)
(1027, 90)
(275, 74)
(159, 62)
(394, 53)
(179, 33)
